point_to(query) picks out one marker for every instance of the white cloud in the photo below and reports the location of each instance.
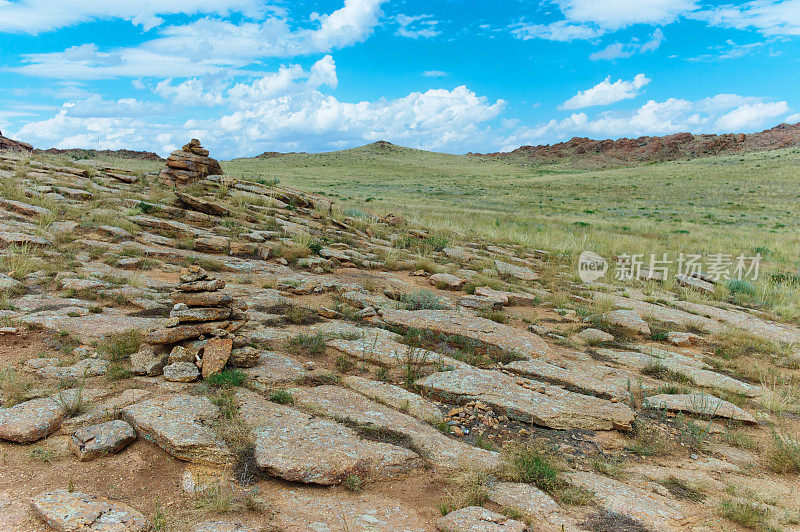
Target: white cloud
(616, 14)
(417, 26)
(770, 17)
(36, 16)
(435, 74)
(619, 50)
(209, 45)
(194, 92)
(286, 110)
(751, 115)
(724, 113)
(605, 92)
(561, 30)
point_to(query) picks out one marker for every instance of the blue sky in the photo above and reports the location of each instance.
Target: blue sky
(248, 76)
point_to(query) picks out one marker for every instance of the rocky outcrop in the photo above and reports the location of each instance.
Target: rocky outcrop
(646, 149)
(6, 144)
(189, 164)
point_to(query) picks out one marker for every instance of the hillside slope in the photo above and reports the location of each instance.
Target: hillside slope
(607, 152)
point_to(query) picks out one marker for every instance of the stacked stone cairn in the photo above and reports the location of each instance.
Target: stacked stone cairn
(189, 164)
(199, 338)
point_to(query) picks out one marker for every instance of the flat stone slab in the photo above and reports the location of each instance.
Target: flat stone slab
(653, 510)
(519, 299)
(477, 519)
(700, 404)
(628, 320)
(394, 396)
(768, 330)
(303, 509)
(273, 368)
(216, 353)
(519, 342)
(88, 367)
(25, 209)
(383, 348)
(76, 511)
(171, 335)
(202, 205)
(522, 273)
(528, 401)
(296, 446)
(534, 504)
(591, 378)
(99, 440)
(105, 410)
(179, 425)
(32, 420)
(702, 377)
(437, 448)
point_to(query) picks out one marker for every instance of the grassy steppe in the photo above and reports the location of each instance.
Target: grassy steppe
(742, 204)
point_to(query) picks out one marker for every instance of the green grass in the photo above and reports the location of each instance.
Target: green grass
(711, 205)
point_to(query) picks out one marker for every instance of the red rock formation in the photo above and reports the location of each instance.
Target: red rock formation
(7, 144)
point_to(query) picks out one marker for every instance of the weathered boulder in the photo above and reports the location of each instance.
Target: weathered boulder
(202, 205)
(180, 425)
(215, 355)
(98, 440)
(181, 372)
(296, 446)
(148, 361)
(446, 280)
(32, 420)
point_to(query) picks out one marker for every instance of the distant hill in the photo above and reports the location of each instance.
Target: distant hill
(649, 149)
(77, 153)
(6, 144)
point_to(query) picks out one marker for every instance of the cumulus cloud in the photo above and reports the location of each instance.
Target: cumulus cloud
(286, 110)
(209, 45)
(37, 16)
(606, 92)
(723, 113)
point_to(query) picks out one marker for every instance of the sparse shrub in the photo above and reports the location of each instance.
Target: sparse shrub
(424, 299)
(662, 372)
(682, 490)
(610, 468)
(117, 372)
(308, 344)
(281, 397)
(608, 521)
(301, 315)
(413, 361)
(745, 513)
(495, 315)
(343, 364)
(14, 388)
(649, 439)
(227, 378)
(468, 490)
(784, 456)
(354, 483)
(121, 345)
(740, 286)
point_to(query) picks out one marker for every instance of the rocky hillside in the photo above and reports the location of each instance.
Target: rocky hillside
(649, 149)
(6, 144)
(227, 355)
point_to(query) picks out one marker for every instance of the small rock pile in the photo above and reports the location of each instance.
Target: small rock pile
(189, 164)
(201, 328)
